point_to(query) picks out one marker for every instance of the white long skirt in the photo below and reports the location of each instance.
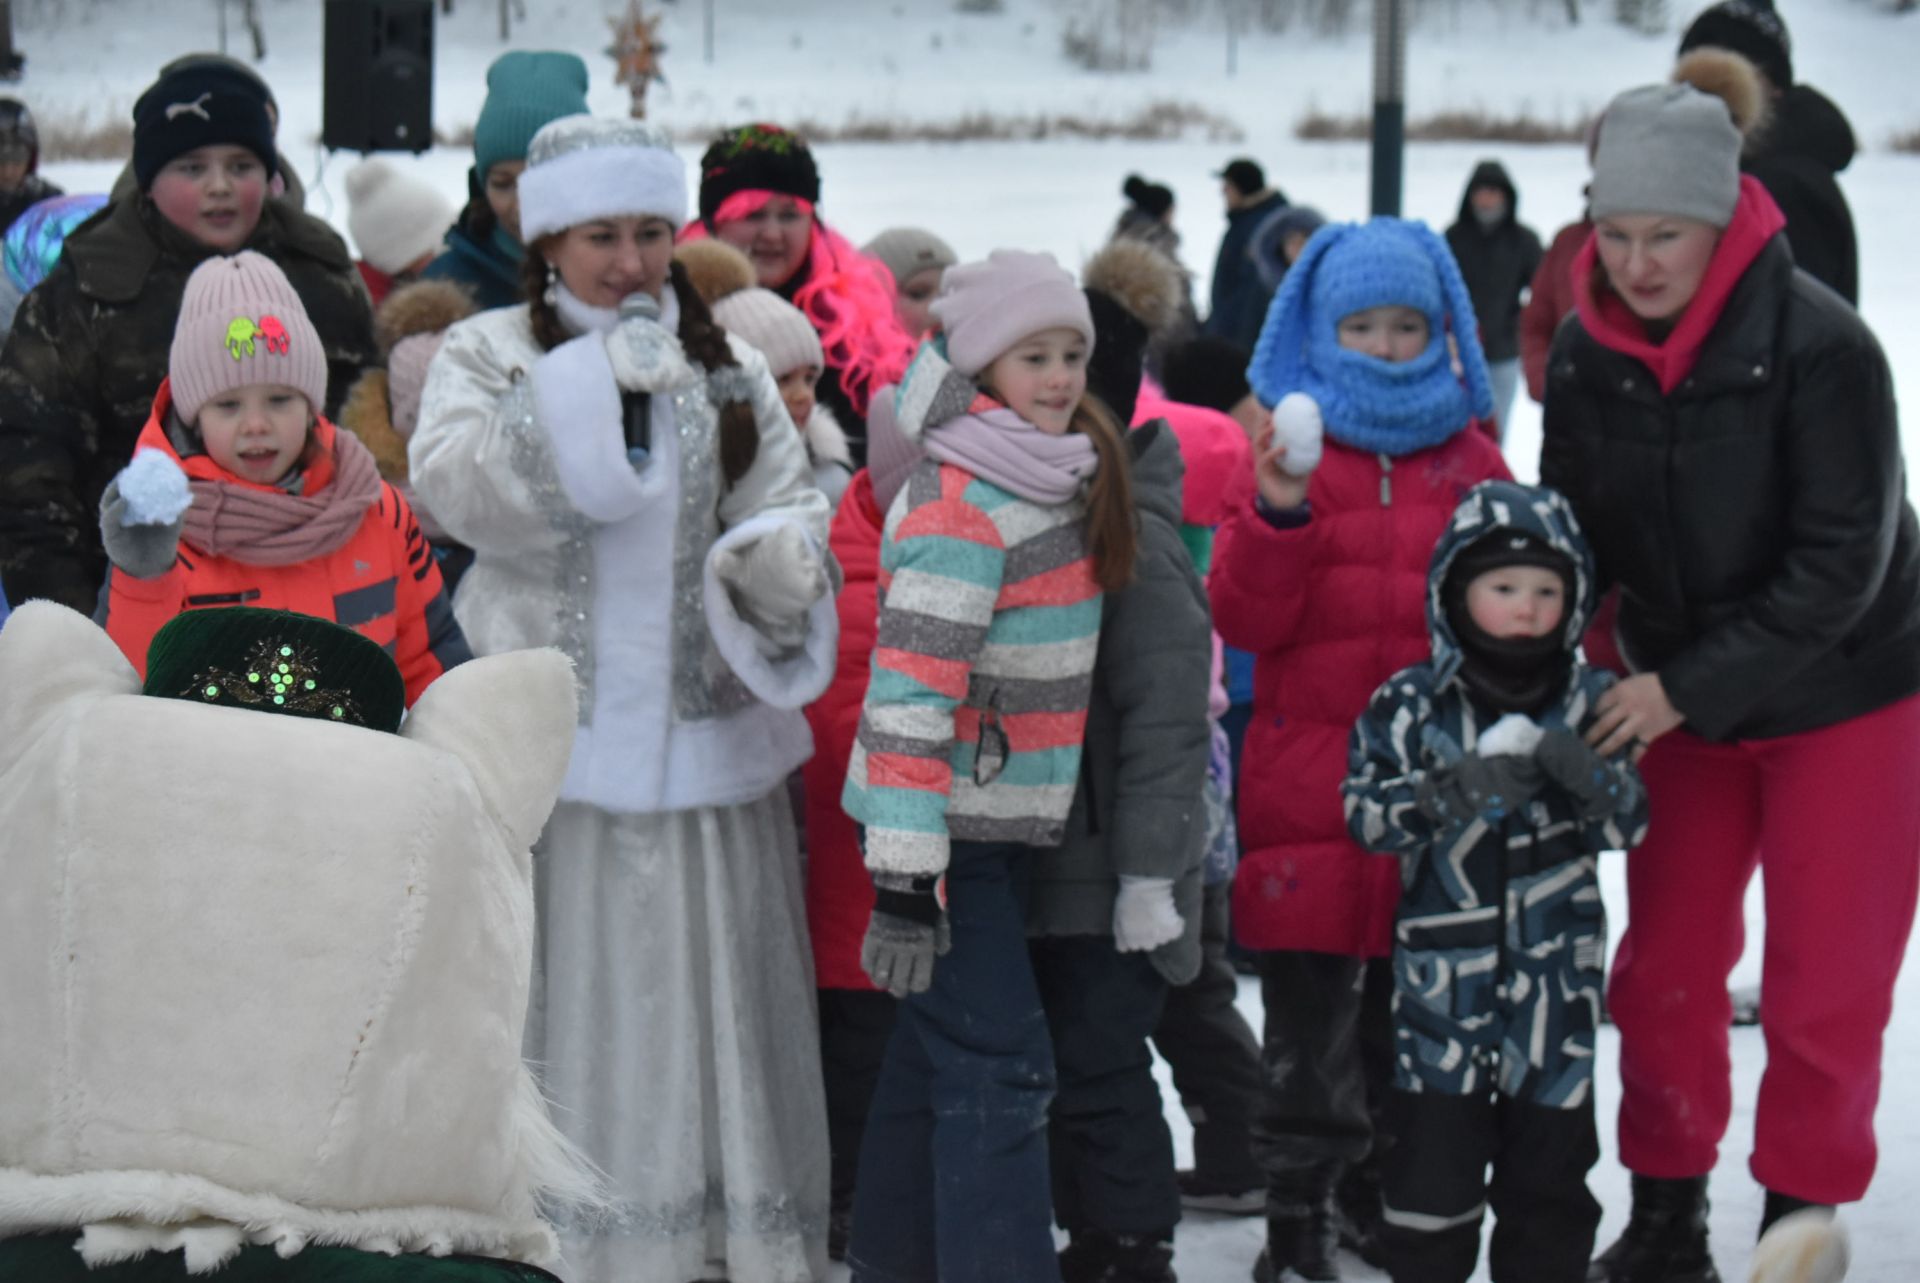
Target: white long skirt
(674, 1029)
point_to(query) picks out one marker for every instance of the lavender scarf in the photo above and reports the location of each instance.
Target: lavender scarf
(1001, 447)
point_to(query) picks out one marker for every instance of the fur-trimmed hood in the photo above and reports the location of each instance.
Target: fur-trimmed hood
(1141, 279)
(421, 307)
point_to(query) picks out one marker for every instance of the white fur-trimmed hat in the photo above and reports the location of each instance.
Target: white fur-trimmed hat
(580, 168)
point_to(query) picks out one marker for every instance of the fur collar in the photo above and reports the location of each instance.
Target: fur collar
(366, 414)
(826, 439)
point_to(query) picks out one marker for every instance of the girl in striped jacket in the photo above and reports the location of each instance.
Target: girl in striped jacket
(995, 557)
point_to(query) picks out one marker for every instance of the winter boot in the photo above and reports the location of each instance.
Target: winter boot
(1358, 1200)
(1095, 1256)
(1303, 1242)
(1666, 1236)
(1800, 1242)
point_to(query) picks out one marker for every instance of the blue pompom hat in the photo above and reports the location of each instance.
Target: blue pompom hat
(1374, 405)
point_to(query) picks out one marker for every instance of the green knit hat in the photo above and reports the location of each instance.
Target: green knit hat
(525, 90)
(276, 661)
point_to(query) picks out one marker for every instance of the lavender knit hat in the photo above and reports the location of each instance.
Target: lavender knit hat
(779, 329)
(241, 323)
(986, 308)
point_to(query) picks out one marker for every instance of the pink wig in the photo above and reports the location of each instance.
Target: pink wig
(847, 296)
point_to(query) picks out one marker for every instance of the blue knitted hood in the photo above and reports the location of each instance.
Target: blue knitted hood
(1374, 405)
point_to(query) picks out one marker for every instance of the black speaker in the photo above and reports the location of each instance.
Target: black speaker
(378, 77)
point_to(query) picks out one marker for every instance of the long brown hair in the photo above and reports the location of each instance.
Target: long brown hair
(701, 338)
(1112, 529)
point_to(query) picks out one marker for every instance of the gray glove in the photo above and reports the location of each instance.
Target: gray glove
(907, 931)
(143, 551)
(1570, 762)
(1476, 786)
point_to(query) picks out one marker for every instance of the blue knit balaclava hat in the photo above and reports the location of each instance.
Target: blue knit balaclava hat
(1382, 407)
(526, 89)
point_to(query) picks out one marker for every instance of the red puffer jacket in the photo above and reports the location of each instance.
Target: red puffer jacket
(839, 891)
(1330, 610)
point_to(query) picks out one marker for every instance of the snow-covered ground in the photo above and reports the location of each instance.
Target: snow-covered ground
(830, 61)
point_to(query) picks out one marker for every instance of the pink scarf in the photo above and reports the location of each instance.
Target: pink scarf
(268, 527)
(999, 446)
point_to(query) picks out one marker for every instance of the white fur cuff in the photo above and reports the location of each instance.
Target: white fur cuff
(791, 681)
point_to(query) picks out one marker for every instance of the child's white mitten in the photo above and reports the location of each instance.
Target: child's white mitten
(1296, 422)
(1144, 916)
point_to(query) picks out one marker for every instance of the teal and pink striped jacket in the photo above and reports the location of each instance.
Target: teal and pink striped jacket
(989, 621)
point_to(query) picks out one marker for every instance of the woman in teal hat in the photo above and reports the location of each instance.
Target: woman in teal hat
(525, 90)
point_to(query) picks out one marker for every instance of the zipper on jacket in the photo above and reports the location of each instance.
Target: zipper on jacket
(1386, 481)
(223, 598)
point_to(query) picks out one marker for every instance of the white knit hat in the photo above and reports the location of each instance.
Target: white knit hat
(778, 328)
(580, 168)
(395, 218)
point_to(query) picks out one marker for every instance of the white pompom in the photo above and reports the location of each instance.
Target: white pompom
(1296, 422)
(1807, 1246)
(155, 489)
(1515, 735)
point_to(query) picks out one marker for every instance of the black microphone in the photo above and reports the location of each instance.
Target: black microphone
(636, 408)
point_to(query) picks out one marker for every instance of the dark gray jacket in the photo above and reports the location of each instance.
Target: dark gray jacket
(1138, 809)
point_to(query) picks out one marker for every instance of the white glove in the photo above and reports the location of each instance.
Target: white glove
(1515, 735)
(1144, 916)
(776, 578)
(1296, 422)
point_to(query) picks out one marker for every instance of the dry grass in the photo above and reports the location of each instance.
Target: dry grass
(1446, 127)
(83, 135)
(1907, 140)
(1159, 121)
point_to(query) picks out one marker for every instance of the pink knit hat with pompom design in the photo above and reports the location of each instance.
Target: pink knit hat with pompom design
(241, 323)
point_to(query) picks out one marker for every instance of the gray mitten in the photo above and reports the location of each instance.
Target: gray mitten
(1571, 763)
(1476, 786)
(907, 931)
(142, 512)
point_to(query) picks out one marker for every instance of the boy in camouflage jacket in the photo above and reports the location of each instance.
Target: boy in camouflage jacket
(1472, 770)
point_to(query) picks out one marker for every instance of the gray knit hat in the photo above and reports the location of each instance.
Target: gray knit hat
(908, 251)
(1667, 149)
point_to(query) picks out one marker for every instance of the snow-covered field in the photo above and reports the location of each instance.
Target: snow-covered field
(828, 60)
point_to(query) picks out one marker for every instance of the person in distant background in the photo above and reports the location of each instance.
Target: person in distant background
(526, 88)
(1240, 294)
(21, 186)
(1148, 217)
(32, 246)
(917, 258)
(1799, 155)
(1549, 300)
(1498, 255)
(398, 222)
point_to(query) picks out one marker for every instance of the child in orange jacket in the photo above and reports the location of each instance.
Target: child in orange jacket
(240, 493)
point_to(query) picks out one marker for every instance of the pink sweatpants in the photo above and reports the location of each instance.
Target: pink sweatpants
(1833, 816)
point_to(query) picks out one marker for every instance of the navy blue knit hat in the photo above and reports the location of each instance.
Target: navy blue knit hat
(200, 105)
(1382, 407)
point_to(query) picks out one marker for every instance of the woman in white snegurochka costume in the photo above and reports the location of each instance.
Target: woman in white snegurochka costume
(672, 1013)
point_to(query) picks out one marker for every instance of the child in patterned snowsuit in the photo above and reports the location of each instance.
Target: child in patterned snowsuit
(1471, 769)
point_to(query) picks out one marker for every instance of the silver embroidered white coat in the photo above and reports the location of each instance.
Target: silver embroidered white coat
(520, 455)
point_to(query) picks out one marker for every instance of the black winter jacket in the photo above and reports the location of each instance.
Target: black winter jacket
(1238, 303)
(1756, 519)
(1497, 264)
(1798, 159)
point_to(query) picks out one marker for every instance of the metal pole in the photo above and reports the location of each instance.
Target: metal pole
(709, 32)
(1389, 104)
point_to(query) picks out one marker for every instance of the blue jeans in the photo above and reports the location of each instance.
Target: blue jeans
(953, 1171)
